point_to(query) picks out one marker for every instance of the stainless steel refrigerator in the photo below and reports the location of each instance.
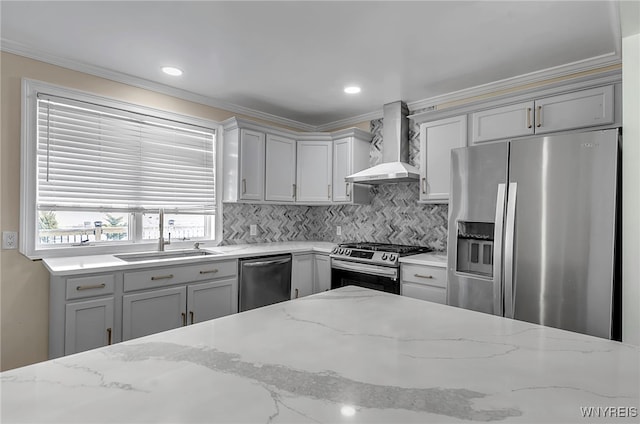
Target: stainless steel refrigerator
(532, 230)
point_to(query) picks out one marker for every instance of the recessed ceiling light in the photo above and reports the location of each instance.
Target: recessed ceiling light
(352, 89)
(170, 70)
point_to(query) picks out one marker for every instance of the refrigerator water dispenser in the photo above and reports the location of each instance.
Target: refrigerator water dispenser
(475, 248)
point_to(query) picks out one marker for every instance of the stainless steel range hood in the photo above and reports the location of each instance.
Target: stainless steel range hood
(395, 150)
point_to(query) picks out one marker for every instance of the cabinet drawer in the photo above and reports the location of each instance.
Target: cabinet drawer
(97, 285)
(212, 270)
(426, 275)
(161, 277)
(425, 292)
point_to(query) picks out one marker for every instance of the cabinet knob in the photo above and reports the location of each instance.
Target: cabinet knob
(528, 117)
(192, 316)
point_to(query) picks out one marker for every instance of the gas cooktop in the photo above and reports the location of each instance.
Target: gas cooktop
(375, 253)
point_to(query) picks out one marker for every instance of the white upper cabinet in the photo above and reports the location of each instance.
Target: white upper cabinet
(251, 165)
(503, 122)
(437, 138)
(579, 109)
(586, 108)
(350, 155)
(314, 171)
(280, 169)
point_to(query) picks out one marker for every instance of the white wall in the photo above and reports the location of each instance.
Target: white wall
(631, 189)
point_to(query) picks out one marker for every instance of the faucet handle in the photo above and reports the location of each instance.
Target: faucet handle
(197, 244)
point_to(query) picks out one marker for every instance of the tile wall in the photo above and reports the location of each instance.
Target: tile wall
(394, 216)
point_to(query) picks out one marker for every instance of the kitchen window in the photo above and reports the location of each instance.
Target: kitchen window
(96, 172)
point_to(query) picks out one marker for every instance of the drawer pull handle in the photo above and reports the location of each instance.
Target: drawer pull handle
(539, 117)
(192, 315)
(184, 319)
(92, 286)
(108, 336)
(161, 277)
(209, 271)
(423, 276)
(297, 293)
(529, 117)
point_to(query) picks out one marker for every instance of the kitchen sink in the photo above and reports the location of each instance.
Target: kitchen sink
(154, 256)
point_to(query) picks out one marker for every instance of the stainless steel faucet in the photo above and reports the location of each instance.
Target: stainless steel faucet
(161, 241)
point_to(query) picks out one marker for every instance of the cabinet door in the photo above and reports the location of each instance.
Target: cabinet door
(280, 174)
(342, 161)
(153, 312)
(216, 299)
(502, 122)
(88, 325)
(425, 292)
(302, 275)
(437, 138)
(584, 108)
(322, 273)
(313, 180)
(251, 165)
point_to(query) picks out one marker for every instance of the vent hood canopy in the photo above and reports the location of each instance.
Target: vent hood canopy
(395, 150)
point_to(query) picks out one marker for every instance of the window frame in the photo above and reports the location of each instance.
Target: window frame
(28, 244)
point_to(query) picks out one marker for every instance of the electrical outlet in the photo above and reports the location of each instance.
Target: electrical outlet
(9, 240)
(338, 230)
(253, 230)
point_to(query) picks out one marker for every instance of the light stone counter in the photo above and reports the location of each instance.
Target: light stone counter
(381, 357)
(74, 265)
(438, 259)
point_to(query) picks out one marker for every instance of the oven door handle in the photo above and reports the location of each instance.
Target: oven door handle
(365, 269)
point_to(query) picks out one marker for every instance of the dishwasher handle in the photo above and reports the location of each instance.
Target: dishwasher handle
(267, 263)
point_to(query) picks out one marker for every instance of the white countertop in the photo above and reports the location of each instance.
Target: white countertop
(392, 359)
(107, 263)
(438, 259)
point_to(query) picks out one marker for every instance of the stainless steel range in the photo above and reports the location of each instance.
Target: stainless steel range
(372, 265)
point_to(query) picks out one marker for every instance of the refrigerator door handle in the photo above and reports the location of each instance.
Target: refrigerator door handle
(497, 252)
(509, 288)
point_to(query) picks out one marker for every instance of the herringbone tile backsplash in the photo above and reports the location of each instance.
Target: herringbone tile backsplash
(394, 216)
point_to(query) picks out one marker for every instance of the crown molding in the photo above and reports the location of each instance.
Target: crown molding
(508, 84)
(35, 54)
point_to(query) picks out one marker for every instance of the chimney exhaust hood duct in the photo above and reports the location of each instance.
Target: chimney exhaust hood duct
(395, 150)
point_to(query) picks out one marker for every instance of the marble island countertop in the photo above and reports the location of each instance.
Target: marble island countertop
(106, 263)
(346, 355)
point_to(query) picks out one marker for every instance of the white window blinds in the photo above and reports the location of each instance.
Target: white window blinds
(96, 157)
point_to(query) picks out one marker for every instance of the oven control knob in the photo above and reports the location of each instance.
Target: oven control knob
(348, 252)
(335, 250)
(392, 257)
(342, 251)
(384, 256)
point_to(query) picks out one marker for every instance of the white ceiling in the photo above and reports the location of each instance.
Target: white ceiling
(293, 59)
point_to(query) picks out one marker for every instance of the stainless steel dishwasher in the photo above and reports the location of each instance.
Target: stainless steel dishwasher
(264, 280)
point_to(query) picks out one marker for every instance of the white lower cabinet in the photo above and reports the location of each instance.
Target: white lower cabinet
(212, 300)
(89, 324)
(424, 282)
(302, 275)
(152, 312)
(322, 273)
(164, 309)
(310, 273)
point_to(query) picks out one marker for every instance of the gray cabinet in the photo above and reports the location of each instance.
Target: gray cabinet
(280, 173)
(437, 138)
(211, 300)
(152, 312)
(579, 109)
(89, 324)
(314, 171)
(302, 275)
(322, 273)
(424, 282)
(350, 155)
